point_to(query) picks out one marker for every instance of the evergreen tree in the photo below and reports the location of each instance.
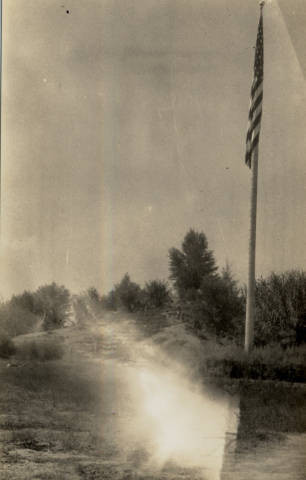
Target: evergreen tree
(189, 266)
(156, 294)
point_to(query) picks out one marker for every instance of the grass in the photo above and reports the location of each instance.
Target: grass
(40, 351)
(52, 418)
(52, 398)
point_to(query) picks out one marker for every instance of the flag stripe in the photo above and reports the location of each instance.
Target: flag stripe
(255, 123)
(257, 82)
(255, 134)
(255, 109)
(255, 105)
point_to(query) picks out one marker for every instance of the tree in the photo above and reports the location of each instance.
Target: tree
(189, 266)
(222, 305)
(110, 301)
(156, 294)
(128, 294)
(52, 302)
(94, 299)
(93, 294)
(24, 301)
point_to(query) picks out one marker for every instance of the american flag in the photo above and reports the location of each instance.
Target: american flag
(256, 96)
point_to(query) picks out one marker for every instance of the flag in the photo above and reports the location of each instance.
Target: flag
(255, 111)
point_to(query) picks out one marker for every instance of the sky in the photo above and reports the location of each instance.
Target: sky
(123, 126)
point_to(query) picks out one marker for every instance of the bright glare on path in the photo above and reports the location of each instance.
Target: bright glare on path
(161, 411)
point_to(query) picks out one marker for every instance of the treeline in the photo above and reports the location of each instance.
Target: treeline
(210, 301)
(129, 296)
(46, 308)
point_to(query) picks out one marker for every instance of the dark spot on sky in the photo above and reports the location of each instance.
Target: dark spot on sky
(67, 11)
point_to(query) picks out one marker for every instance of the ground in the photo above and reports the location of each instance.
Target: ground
(118, 406)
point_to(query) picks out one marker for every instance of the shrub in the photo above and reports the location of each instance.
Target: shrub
(281, 309)
(156, 294)
(7, 347)
(222, 305)
(262, 363)
(16, 320)
(52, 302)
(49, 306)
(218, 309)
(24, 301)
(40, 351)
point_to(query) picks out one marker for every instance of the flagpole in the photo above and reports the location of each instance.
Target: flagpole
(250, 308)
(255, 114)
(1, 25)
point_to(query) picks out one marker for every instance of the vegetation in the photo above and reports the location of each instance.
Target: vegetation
(16, 320)
(191, 265)
(57, 401)
(281, 309)
(7, 347)
(40, 351)
(212, 306)
(93, 294)
(211, 303)
(129, 296)
(219, 309)
(46, 308)
(207, 301)
(51, 408)
(215, 303)
(52, 303)
(126, 295)
(156, 294)
(263, 363)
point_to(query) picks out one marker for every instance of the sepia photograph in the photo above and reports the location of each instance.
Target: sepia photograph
(152, 240)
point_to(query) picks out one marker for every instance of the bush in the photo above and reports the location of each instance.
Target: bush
(40, 351)
(222, 305)
(268, 363)
(218, 309)
(52, 302)
(7, 347)
(49, 307)
(156, 294)
(281, 309)
(25, 301)
(16, 320)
